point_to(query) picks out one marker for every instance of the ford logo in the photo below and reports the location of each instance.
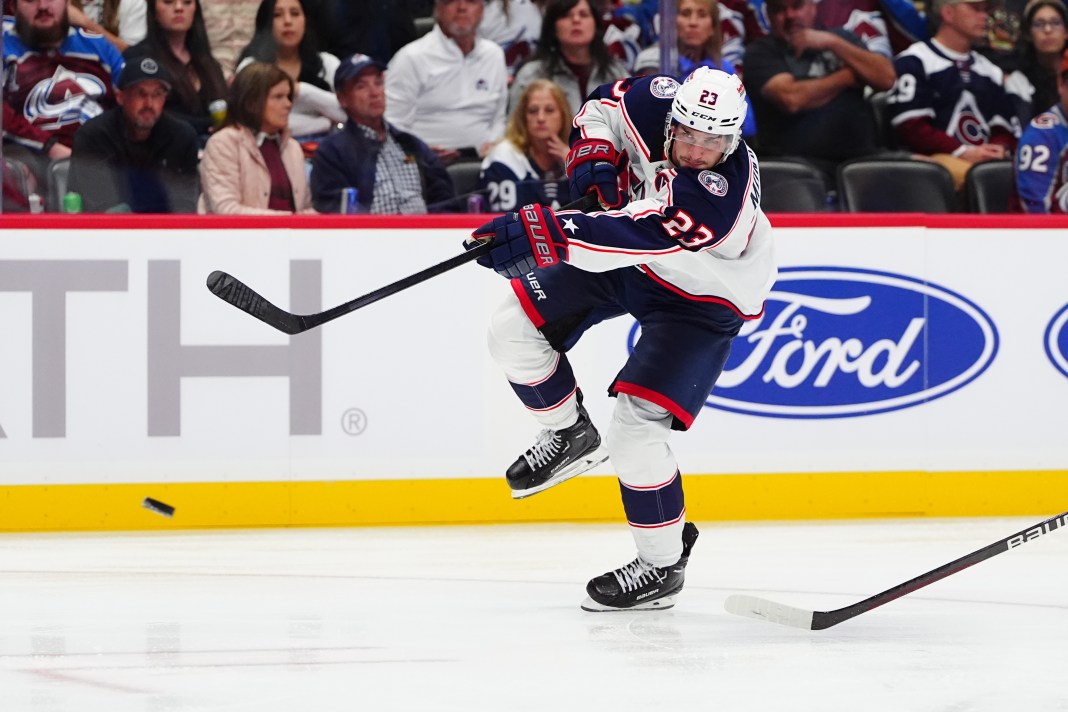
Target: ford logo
(838, 342)
(1056, 341)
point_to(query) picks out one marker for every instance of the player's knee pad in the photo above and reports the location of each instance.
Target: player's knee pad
(637, 442)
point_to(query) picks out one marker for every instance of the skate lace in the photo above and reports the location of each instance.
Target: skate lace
(638, 573)
(544, 449)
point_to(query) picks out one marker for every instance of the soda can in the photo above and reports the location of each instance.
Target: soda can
(350, 201)
(476, 203)
(72, 203)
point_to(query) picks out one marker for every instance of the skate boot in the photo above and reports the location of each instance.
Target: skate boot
(557, 455)
(639, 585)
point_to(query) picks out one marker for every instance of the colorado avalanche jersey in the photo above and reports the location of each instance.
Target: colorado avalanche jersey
(699, 234)
(963, 96)
(56, 91)
(1041, 165)
(511, 181)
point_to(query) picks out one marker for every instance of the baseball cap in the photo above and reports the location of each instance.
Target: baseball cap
(140, 69)
(351, 68)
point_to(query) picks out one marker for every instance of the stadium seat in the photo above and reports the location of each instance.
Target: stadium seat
(789, 185)
(988, 187)
(423, 25)
(895, 185)
(464, 176)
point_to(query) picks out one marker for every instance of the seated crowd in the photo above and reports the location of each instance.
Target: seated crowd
(326, 106)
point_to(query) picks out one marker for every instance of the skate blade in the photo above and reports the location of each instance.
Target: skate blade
(584, 464)
(660, 604)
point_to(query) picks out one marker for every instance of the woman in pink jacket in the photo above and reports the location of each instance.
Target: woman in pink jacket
(252, 166)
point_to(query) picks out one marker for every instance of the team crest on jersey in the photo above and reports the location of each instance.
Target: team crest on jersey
(66, 98)
(664, 87)
(714, 182)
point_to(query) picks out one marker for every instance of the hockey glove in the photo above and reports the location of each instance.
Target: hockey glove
(522, 241)
(592, 165)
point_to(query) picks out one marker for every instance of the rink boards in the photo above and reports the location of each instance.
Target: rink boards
(905, 365)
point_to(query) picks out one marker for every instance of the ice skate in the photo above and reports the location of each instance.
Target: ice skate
(639, 585)
(557, 455)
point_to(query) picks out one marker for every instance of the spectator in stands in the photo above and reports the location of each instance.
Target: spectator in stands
(377, 28)
(1032, 78)
(135, 157)
(515, 26)
(229, 25)
(807, 87)
(286, 36)
(393, 171)
(450, 87)
(123, 22)
(699, 32)
(885, 26)
(177, 39)
(528, 165)
(949, 102)
(1041, 165)
(56, 78)
(571, 52)
(252, 166)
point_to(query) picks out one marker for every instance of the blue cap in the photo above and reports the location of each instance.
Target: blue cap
(351, 68)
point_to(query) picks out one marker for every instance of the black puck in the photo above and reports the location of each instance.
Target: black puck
(158, 507)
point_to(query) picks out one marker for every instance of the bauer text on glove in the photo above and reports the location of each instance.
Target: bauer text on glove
(523, 241)
(592, 166)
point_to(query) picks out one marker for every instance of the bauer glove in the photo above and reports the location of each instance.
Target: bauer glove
(593, 166)
(522, 241)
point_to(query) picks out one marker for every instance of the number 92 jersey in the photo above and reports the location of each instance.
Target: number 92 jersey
(698, 233)
(1042, 163)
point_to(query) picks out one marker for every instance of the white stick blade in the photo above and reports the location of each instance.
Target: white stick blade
(765, 610)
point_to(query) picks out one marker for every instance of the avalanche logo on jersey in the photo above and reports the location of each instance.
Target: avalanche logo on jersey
(967, 124)
(837, 342)
(1056, 341)
(664, 87)
(714, 182)
(66, 98)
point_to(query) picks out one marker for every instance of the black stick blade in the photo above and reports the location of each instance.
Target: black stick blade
(232, 290)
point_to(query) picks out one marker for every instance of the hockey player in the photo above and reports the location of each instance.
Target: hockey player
(689, 256)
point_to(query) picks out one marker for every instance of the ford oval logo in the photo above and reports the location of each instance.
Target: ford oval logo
(838, 342)
(1056, 340)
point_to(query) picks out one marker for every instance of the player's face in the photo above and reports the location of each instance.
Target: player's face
(41, 15)
(276, 109)
(459, 18)
(697, 150)
(694, 23)
(364, 98)
(786, 16)
(577, 27)
(1047, 31)
(142, 104)
(288, 25)
(544, 118)
(175, 15)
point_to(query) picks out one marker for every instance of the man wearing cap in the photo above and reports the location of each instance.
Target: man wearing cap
(949, 101)
(393, 171)
(135, 157)
(1041, 165)
(807, 87)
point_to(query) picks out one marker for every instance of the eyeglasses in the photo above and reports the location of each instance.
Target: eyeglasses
(1047, 25)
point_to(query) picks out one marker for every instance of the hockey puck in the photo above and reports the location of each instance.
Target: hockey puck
(158, 507)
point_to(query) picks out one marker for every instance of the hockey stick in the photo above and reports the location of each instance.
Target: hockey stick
(232, 290)
(763, 609)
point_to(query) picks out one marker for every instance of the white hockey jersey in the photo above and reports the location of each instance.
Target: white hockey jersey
(699, 234)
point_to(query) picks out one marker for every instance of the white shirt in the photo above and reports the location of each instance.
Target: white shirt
(444, 97)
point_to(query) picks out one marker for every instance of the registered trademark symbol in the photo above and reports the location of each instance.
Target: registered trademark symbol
(354, 421)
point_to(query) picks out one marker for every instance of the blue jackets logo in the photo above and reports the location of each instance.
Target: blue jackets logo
(838, 342)
(1056, 340)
